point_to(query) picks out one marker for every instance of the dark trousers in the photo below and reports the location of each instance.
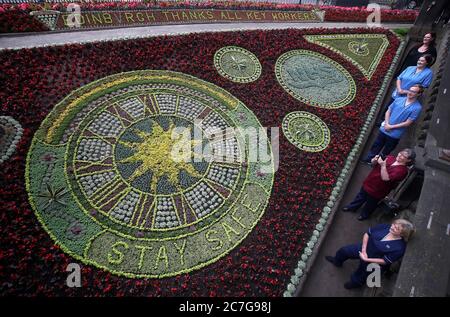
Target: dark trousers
(352, 252)
(361, 198)
(384, 144)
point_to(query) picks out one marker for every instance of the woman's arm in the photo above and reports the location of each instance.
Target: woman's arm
(387, 117)
(399, 87)
(364, 243)
(403, 124)
(383, 171)
(377, 261)
(364, 257)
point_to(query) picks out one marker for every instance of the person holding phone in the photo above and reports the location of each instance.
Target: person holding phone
(385, 176)
(382, 244)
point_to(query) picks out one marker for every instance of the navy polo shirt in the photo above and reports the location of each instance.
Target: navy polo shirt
(390, 251)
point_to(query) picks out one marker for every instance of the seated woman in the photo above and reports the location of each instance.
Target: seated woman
(426, 47)
(382, 244)
(419, 74)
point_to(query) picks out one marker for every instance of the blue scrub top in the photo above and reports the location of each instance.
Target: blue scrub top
(390, 251)
(409, 78)
(400, 113)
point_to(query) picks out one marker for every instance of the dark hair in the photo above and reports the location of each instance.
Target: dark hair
(421, 88)
(428, 58)
(432, 42)
(433, 36)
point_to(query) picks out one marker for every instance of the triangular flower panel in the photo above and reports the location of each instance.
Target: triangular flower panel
(363, 50)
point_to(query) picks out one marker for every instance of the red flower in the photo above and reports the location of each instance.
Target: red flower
(36, 79)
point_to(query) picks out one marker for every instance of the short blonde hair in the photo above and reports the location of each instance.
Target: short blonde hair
(408, 228)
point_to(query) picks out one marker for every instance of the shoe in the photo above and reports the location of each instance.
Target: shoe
(346, 209)
(350, 285)
(362, 218)
(366, 162)
(331, 259)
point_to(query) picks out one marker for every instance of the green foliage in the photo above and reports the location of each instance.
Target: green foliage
(401, 31)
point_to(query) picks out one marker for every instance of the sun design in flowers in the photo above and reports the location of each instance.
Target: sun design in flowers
(164, 153)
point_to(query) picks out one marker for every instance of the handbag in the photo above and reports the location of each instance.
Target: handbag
(390, 207)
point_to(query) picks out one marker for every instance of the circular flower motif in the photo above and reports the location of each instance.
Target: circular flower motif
(160, 177)
(306, 131)
(237, 64)
(315, 79)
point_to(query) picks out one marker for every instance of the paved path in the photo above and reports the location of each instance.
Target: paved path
(40, 39)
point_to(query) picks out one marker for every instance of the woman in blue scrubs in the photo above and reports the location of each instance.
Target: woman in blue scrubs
(419, 74)
(382, 244)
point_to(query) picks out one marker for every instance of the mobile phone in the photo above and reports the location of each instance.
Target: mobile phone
(383, 157)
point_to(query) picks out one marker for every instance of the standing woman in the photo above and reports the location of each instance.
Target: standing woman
(420, 74)
(382, 244)
(426, 47)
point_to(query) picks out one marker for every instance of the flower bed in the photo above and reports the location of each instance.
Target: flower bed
(10, 23)
(354, 14)
(17, 21)
(265, 257)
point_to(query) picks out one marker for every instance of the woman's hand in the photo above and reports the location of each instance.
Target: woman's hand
(381, 162)
(375, 159)
(363, 256)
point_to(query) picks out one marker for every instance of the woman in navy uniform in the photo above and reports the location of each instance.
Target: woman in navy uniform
(382, 244)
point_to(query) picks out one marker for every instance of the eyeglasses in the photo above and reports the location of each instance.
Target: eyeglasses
(413, 91)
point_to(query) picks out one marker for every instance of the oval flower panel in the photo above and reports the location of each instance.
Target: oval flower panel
(315, 79)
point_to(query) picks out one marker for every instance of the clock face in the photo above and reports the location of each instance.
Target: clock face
(151, 174)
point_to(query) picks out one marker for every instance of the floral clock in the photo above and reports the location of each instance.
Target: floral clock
(148, 174)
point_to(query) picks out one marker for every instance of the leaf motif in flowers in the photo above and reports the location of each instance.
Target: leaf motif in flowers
(306, 131)
(52, 196)
(237, 64)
